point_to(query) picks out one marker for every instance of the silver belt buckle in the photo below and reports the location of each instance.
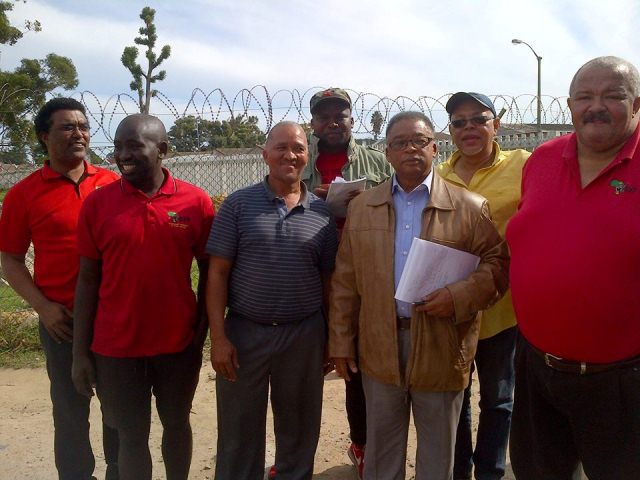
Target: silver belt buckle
(548, 357)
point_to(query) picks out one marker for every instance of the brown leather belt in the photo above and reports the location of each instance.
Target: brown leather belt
(403, 323)
(580, 368)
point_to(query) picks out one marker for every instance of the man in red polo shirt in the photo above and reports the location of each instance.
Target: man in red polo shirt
(575, 280)
(138, 328)
(43, 209)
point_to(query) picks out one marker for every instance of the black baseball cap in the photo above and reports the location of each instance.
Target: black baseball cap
(459, 97)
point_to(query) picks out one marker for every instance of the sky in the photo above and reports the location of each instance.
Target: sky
(413, 49)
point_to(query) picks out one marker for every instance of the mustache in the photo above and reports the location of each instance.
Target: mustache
(597, 116)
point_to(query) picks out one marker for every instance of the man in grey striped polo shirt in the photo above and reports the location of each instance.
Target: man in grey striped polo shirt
(272, 250)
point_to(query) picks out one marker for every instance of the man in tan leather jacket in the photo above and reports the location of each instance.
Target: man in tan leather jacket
(411, 356)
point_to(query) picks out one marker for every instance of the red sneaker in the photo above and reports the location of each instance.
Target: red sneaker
(356, 454)
(272, 473)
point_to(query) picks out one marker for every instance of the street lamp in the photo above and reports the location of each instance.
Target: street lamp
(515, 41)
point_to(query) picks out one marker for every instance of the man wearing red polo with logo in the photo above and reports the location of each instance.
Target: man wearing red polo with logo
(138, 327)
(575, 280)
(43, 209)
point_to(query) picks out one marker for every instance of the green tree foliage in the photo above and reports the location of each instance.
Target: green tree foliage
(240, 131)
(24, 90)
(192, 134)
(188, 134)
(142, 79)
(9, 35)
(376, 124)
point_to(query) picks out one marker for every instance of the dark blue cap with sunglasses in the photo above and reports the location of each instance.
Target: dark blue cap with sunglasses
(457, 98)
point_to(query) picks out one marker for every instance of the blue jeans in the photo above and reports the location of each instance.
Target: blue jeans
(495, 363)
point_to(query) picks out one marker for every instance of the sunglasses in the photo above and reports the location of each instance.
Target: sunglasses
(476, 121)
(418, 143)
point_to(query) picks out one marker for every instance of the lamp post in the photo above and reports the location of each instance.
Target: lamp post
(515, 41)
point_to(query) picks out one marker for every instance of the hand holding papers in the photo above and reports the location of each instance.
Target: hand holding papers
(431, 266)
(339, 192)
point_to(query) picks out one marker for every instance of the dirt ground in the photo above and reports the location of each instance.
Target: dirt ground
(26, 431)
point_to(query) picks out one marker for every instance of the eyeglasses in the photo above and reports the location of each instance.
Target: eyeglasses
(477, 121)
(418, 143)
(71, 127)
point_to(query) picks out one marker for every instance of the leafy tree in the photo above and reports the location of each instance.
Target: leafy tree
(192, 134)
(9, 35)
(376, 124)
(24, 90)
(142, 79)
(237, 132)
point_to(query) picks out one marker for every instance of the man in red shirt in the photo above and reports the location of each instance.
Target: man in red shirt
(138, 328)
(43, 209)
(575, 282)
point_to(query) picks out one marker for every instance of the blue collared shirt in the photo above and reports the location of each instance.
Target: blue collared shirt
(408, 207)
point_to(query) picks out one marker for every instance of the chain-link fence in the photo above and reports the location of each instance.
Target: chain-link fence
(218, 174)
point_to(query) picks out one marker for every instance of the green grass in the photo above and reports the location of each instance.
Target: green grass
(2, 194)
(9, 300)
(194, 276)
(19, 342)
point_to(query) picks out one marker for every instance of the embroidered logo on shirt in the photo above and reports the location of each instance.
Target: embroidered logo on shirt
(178, 221)
(621, 187)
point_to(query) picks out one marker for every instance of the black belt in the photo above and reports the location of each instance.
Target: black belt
(266, 322)
(403, 323)
(580, 368)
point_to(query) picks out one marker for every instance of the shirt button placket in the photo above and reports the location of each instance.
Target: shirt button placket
(151, 219)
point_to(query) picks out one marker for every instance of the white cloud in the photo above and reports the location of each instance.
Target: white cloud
(406, 47)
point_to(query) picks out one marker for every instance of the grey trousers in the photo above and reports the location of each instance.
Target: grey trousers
(289, 359)
(435, 416)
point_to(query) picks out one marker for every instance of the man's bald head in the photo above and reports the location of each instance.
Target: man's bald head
(285, 152)
(287, 124)
(148, 125)
(604, 99)
(140, 145)
(625, 69)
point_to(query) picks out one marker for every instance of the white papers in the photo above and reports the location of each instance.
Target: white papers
(338, 194)
(431, 266)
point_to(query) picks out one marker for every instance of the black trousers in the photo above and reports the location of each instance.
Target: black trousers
(72, 447)
(356, 409)
(561, 420)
